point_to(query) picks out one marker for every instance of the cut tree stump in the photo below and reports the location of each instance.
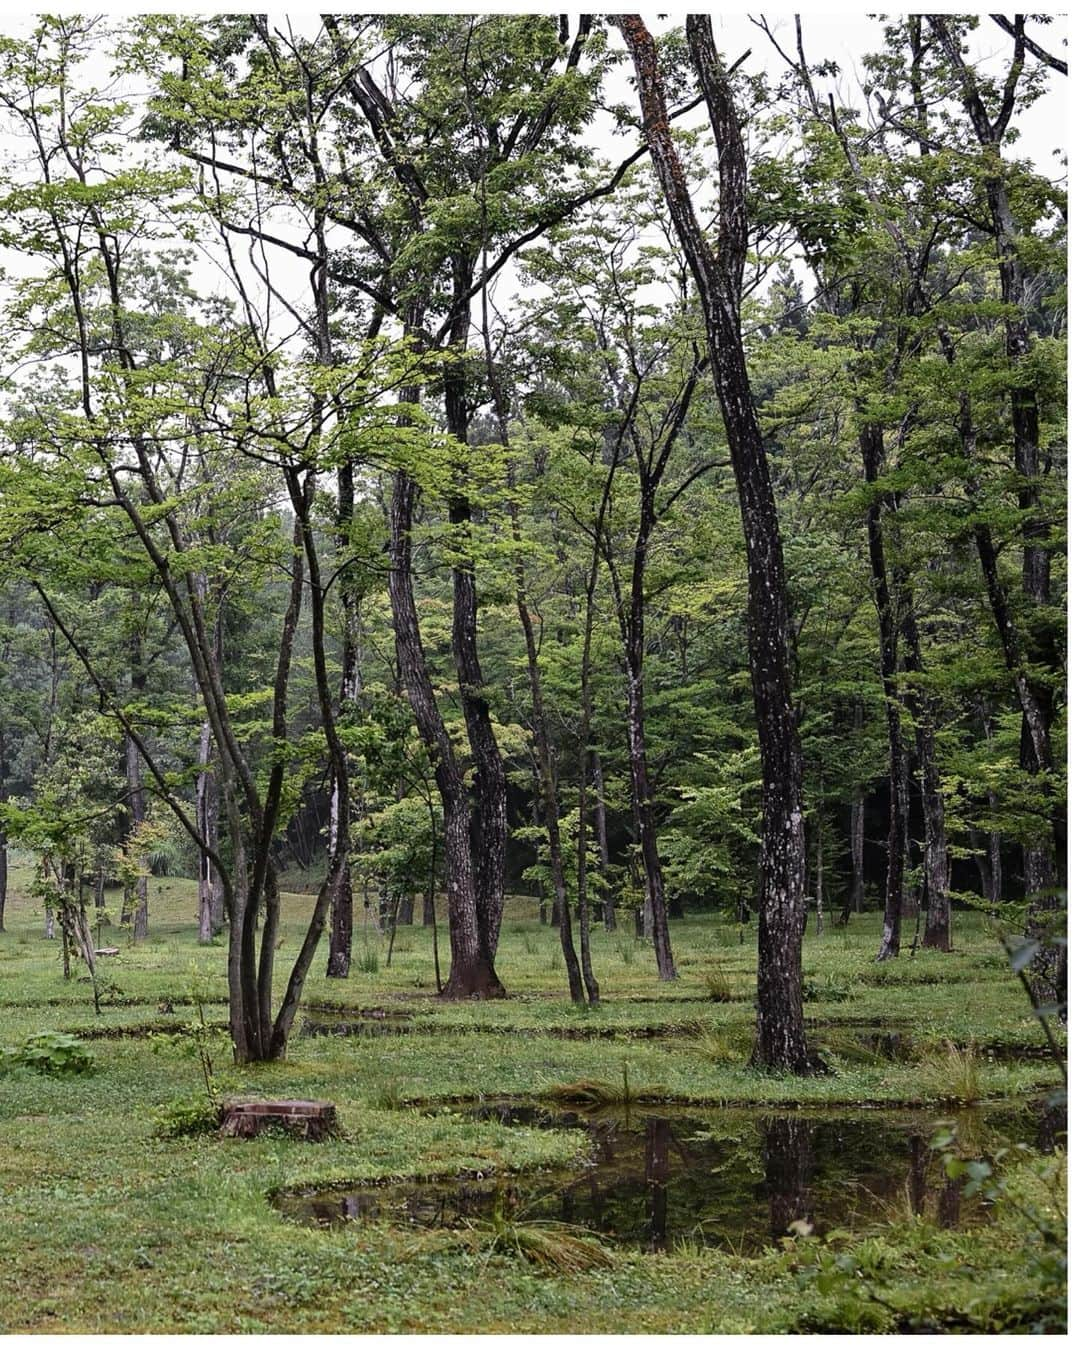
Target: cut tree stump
(301, 1117)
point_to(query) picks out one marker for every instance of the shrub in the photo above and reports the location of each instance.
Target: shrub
(192, 1115)
(50, 1054)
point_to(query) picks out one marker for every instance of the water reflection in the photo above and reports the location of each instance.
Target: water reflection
(734, 1177)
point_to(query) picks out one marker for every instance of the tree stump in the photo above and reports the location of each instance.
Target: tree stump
(303, 1118)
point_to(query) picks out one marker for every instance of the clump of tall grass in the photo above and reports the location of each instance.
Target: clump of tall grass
(548, 1245)
(956, 1073)
(718, 986)
(718, 1045)
(597, 1093)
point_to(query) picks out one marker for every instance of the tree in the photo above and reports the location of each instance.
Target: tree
(718, 278)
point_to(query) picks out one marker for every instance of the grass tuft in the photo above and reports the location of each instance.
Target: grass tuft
(718, 986)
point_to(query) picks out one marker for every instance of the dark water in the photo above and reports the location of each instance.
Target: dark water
(733, 1177)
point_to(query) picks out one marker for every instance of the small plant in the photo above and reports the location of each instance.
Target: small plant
(388, 1094)
(718, 1045)
(597, 1093)
(718, 986)
(49, 1054)
(194, 1115)
(956, 1074)
(196, 1038)
(549, 1245)
(826, 987)
(627, 951)
(530, 944)
(368, 961)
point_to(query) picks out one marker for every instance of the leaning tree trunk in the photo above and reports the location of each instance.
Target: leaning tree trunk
(781, 1033)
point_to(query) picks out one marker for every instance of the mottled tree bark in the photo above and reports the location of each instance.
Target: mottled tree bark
(718, 278)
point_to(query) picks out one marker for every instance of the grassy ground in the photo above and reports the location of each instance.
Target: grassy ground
(107, 1227)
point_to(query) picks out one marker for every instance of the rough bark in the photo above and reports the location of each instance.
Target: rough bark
(718, 277)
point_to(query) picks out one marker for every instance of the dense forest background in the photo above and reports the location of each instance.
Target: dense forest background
(370, 523)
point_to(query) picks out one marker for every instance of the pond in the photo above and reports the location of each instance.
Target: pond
(733, 1177)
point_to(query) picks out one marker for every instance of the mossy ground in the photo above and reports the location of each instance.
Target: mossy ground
(108, 1228)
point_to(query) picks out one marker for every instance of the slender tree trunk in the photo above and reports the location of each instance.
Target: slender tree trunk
(872, 444)
(935, 866)
(600, 829)
(339, 956)
(820, 885)
(718, 278)
(857, 897)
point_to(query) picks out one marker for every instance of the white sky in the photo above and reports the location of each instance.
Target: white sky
(836, 32)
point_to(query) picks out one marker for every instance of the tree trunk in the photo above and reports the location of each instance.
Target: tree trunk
(137, 814)
(206, 820)
(781, 1034)
(339, 956)
(472, 972)
(656, 921)
(935, 866)
(820, 885)
(872, 445)
(489, 774)
(600, 828)
(857, 898)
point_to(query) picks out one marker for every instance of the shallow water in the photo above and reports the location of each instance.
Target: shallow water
(735, 1177)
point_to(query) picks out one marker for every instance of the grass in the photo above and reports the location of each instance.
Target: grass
(111, 1227)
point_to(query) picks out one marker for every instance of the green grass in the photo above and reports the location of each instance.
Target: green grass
(111, 1227)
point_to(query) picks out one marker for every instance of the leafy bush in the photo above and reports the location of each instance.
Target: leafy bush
(50, 1054)
(191, 1115)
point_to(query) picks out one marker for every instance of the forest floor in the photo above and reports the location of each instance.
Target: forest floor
(108, 1225)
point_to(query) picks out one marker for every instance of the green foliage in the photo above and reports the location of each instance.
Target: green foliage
(49, 1053)
(188, 1115)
